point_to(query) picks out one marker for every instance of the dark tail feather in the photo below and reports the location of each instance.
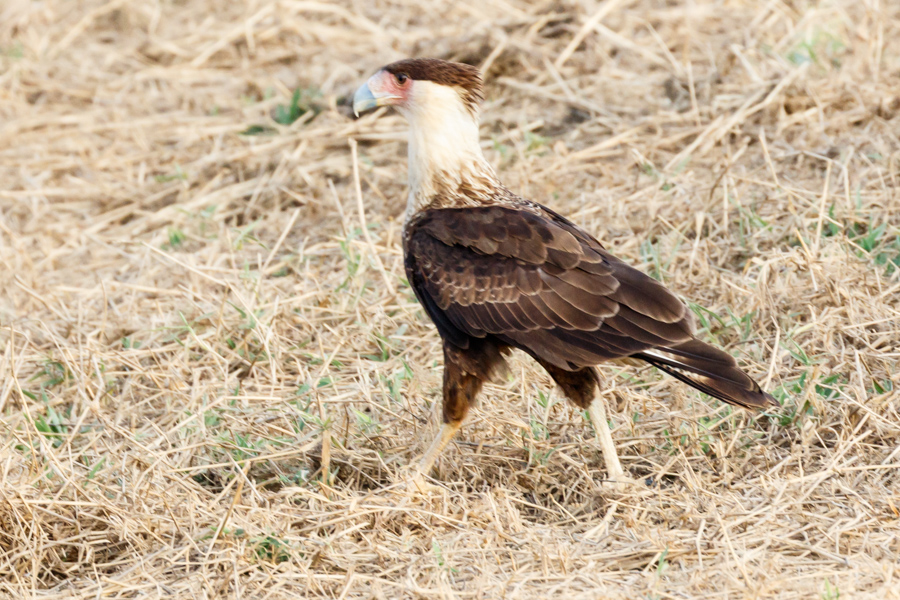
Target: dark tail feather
(711, 371)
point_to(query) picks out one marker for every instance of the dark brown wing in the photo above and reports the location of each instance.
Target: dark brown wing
(533, 280)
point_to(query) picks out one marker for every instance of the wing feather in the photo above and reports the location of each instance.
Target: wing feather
(500, 270)
(589, 302)
(641, 327)
(531, 279)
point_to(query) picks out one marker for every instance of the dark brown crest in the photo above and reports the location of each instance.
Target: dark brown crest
(466, 77)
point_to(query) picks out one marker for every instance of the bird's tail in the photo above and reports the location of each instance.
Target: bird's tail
(710, 370)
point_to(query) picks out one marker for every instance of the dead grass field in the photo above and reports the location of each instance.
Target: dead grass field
(212, 371)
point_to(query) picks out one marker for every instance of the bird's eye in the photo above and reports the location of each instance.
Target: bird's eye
(401, 78)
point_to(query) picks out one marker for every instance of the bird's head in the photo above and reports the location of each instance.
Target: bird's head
(440, 100)
(422, 86)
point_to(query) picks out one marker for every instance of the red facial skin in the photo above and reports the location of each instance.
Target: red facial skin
(388, 87)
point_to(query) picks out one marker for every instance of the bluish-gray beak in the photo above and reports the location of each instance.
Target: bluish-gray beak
(364, 100)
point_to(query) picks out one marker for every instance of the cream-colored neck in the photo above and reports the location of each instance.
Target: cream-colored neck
(444, 148)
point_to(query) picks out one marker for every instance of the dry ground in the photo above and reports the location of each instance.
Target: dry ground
(196, 296)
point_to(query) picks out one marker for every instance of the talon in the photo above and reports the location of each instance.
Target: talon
(621, 483)
(417, 484)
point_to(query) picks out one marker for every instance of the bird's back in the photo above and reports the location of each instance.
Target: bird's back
(520, 275)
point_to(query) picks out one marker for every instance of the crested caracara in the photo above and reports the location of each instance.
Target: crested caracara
(495, 271)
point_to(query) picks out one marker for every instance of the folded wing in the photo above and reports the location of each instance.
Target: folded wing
(531, 279)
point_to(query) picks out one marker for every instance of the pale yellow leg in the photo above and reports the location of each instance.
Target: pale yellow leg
(448, 430)
(597, 410)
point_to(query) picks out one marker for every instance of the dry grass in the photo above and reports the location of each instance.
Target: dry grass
(189, 311)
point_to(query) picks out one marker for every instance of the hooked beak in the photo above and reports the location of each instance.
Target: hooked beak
(364, 100)
(369, 95)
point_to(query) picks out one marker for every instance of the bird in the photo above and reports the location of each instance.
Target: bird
(496, 272)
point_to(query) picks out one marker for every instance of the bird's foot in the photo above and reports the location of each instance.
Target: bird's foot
(622, 484)
(618, 481)
(414, 483)
(421, 486)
